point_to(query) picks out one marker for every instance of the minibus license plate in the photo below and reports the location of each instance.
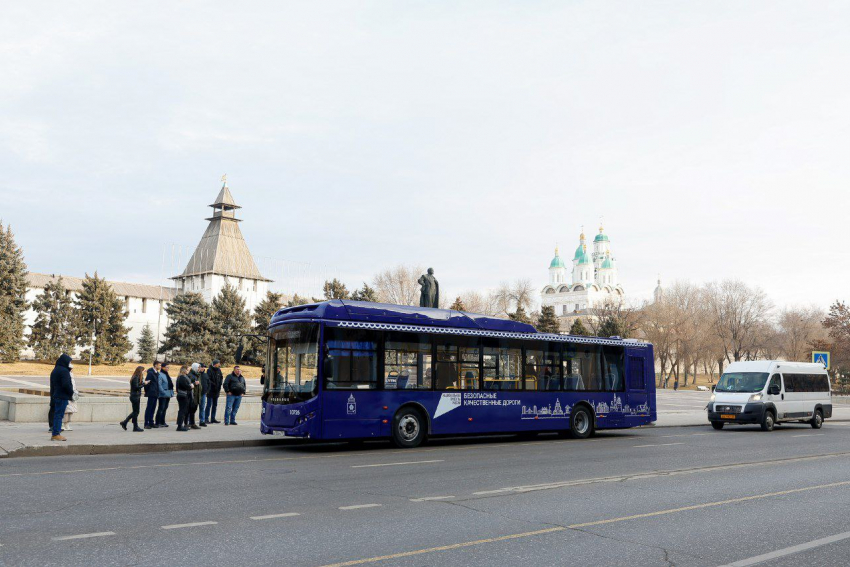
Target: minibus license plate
(727, 416)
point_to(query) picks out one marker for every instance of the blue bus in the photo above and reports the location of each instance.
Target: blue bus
(358, 370)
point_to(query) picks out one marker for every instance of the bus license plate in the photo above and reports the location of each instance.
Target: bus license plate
(727, 416)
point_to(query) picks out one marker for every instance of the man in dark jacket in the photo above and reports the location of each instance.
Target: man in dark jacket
(152, 394)
(214, 391)
(62, 392)
(201, 393)
(235, 388)
(194, 399)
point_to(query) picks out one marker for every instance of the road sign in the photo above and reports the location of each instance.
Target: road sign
(822, 357)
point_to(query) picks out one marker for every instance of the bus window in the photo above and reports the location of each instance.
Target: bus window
(351, 359)
(573, 369)
(294, 356)
(407, 362)
(502, 366)
(542, 370)
(457, 363)
(590, 358)
(612, 367)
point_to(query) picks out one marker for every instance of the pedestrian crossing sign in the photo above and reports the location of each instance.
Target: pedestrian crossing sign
(822, 357)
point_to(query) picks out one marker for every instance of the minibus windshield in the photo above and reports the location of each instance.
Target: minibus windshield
(742, 382)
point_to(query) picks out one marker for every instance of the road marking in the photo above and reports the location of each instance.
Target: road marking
(582, 525)
(789, 550)
(272, 516)
(359, 506)
(397, 464)
(83, 536)
(22, 382)
(430, 498)
(191, 525)
(100, 378)
(658, 445)
(809, 435)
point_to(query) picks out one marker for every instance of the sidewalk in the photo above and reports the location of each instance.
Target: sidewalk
(33, 439)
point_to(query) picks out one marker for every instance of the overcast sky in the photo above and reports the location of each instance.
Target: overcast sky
(470, 136)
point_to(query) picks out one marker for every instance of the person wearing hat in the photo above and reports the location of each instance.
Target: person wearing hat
(214, 391)
(201, 393)
(194, 377)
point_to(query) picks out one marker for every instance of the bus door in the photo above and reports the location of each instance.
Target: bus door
(636, 384)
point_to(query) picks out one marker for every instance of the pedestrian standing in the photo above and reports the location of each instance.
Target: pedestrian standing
(152, 394)
(195, 378)
(234, 388)
(201, 394)
(166, 392)
(676, 385)
(216, 381)
(63, 391)
(184, 395)
(136, 385)
(71, 408)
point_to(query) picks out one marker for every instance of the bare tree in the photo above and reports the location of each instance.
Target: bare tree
(614, 317)
(799, 329)
(738, 313)
(511, 297)
(477, 302)
(398, 285)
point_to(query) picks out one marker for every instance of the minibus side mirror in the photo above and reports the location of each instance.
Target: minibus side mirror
(774, 390)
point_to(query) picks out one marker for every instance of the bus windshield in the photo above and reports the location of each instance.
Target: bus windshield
(293, 364)
(742, 382)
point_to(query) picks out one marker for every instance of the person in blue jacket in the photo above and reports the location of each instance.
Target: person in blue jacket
(62, 392)
(166, 392)
(152, 394)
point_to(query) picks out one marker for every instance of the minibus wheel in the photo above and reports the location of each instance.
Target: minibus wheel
(717, 424)
(408, 428)
(581, 423)
(768, 421)
(817, 420)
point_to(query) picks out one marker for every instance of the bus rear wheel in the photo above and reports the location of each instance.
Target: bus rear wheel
(408, 428)
(581, 423)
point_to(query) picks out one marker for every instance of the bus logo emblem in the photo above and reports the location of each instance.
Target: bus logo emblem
(351, 406)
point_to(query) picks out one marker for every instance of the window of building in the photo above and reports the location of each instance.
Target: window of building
(407, 361)
(144, 305)
(255, 284)
(202, 281)
(351, 362)
(240, 283)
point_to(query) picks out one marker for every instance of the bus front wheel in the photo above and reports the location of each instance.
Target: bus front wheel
(408, 428)
(581, 423)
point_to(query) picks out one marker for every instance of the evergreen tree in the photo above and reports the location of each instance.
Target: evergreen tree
(548, 321)
(335, 289)
(458, 305)
(520, 316)
(579, 329)
(53, 331)
(102, 314)
(13, 289)
(298, 300)
(146, 350)
(365, 293)
(189, 331)
(230, 319)
(612, 327)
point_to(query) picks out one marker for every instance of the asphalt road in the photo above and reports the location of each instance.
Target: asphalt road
(683, 496)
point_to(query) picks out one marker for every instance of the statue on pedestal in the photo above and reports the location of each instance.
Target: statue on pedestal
(430, 294)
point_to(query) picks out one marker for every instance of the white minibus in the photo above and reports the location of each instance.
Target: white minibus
(768, 392)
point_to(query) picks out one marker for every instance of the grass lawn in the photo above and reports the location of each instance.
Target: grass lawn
(81, 368)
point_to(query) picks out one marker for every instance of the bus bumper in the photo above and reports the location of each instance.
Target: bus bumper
(751, 413)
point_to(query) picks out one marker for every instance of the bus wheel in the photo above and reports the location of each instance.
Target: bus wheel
(717, 424)
(817, 420)
(408, 428)
(768, 421)
(581, 423)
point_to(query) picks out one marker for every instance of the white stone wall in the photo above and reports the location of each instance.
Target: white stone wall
(210, 285)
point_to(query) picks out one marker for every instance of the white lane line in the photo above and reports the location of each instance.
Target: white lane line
(397, 464)
(657, 445)
(359, 506)
(809, 435)
(83, 536)
(272, 516)
(789, 550)
(191, 525)
(430, 498)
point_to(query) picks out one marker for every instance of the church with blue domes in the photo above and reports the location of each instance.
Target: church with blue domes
(592, 282)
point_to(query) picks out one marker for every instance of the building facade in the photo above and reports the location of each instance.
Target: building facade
(588, 282)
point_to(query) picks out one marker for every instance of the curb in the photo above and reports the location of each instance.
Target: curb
(59, 450)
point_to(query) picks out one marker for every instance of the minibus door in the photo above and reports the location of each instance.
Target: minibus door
(776, 395)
